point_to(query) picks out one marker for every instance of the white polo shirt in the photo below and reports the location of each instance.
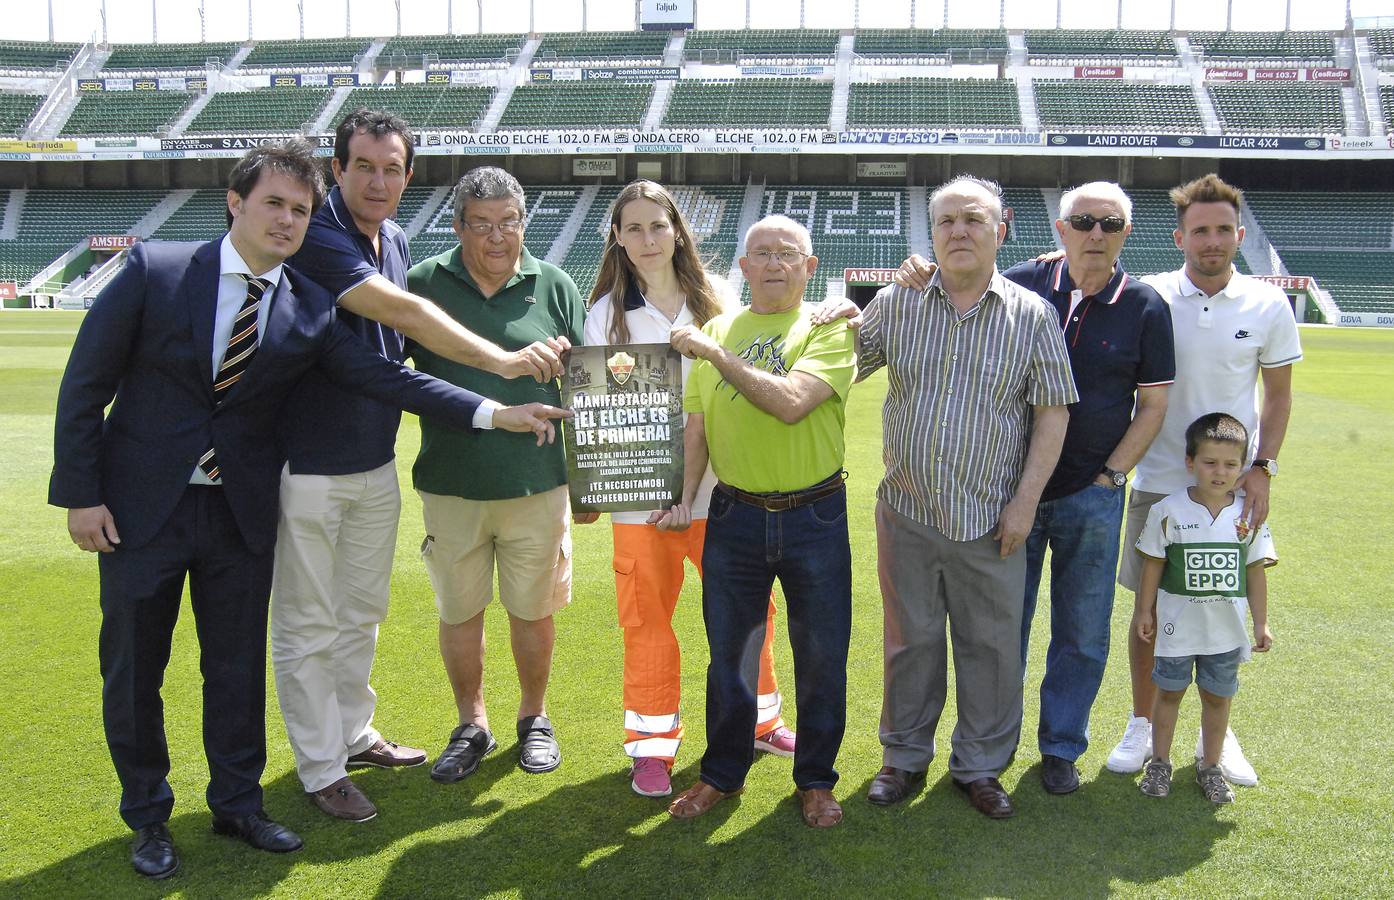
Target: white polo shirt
(648, 325)
(1221, 343)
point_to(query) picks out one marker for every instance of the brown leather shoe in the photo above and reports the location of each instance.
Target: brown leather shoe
(387, 755)
(343, 800)
(892, 785)
(697, 800)
(988, 797)
(820, 809)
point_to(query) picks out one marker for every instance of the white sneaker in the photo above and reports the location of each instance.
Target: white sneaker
(1134, 749)
(1233, 763)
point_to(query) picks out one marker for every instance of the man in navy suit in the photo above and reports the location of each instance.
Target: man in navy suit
(200, 346)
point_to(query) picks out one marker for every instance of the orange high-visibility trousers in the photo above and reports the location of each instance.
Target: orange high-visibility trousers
(648, 578)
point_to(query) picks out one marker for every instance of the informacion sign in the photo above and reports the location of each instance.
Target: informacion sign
(624, 448)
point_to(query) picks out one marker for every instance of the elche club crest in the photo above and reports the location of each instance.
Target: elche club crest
(621, 366)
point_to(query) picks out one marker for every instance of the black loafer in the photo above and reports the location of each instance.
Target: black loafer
(539, 751)
(892, 785)
(152, 852)
(468, 745)
(260, 832)
(1059, 775)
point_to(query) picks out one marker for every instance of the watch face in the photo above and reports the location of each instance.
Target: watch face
(1119, 479)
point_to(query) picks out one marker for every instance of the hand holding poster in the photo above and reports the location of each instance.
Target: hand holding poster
(624, 447)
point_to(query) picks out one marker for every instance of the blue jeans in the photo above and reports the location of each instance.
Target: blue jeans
(1082, 531)
(807, 549)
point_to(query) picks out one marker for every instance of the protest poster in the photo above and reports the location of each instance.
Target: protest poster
(624, 447)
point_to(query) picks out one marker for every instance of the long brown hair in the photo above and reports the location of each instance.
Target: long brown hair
(617, 276)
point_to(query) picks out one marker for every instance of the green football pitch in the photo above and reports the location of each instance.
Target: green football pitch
(1314, 716)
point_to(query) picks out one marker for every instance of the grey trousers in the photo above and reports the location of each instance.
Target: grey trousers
(926, 578)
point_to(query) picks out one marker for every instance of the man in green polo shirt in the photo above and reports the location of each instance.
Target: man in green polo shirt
(491, 501)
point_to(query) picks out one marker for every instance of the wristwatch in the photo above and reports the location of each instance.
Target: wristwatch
(1118, 478)
(1269, 466)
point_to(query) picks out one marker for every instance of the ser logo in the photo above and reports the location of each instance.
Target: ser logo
(1212, 569)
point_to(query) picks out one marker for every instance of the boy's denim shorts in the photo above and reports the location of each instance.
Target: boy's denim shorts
(1216, 673)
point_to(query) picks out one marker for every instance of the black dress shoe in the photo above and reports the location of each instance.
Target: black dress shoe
(468, 745)
(892, 785)
(259, 831)
(152, 852)
(539, 751)
(1059, 775)
(988, 797)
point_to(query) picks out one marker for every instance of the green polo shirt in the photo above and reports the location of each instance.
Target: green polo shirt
(539, 302)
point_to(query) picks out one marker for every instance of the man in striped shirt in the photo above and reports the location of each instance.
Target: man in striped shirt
(974, 419)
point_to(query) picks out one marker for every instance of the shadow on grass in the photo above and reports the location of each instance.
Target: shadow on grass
(599, 838)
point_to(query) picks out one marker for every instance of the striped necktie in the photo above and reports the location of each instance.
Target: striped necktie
(241, 347)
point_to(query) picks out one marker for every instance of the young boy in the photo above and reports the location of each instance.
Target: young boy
(1202, 562)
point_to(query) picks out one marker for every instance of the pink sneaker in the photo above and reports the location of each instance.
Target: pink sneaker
(650, 777)
(779, 741)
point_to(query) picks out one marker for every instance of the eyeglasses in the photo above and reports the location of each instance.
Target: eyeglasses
(1086, 222)
(787, 257)
(512, 226)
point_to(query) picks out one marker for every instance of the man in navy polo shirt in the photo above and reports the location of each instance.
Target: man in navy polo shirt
(339, 496)
(1118, 334)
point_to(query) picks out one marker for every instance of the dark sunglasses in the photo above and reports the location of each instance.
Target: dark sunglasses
(1086, 222)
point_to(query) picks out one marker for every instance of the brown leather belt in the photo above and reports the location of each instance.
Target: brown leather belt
(778, 502)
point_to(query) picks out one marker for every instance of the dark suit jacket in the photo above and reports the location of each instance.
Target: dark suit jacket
(148, 341)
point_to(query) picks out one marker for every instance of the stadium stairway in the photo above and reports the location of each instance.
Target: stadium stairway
(9, 220)
(329, 116)
(423, 216)
(1367, 76)
(561, 244)
(750, 214)
(920, 242)
(238, 58)
(176, 129)
(842, 81)
(1257, 250)
(53, 113)
(1208, 117)
(517, 75)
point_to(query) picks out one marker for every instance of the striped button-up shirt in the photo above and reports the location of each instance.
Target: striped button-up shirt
(957, 419)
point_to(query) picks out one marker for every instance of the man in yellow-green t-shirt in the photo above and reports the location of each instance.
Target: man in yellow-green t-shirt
(765, 400)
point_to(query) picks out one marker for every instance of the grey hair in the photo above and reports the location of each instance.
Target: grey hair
(1096, 190)
(794, 225)
(488, 183)
(993, 189)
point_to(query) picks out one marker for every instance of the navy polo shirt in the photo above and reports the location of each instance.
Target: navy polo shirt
(327, 429)
(1119, 339)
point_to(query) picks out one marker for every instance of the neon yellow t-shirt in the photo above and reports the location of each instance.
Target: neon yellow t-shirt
(751, 449)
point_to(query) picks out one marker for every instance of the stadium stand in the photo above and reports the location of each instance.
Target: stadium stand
(813, 42)
(425, 105)
(1386, 105)
(269, 110)
(576, 104)
(603, 45)
(201, 218)
(549, 208)
(125, 112)
(55, 219)
(918, 102)
(1030, 233)
(913, 43)
(1300, 108)
(1381, 42)
(852, 227)
(313, 53)
(159, 57)
(1116, 105)
(1345, 239)
(1099, 43)
(16, 110)
(413, 198)
(35, 55)
(1263, 44)
(582, 260)
(749, 101)
(451, 48)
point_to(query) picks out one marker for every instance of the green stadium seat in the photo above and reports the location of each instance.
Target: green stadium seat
(781, 102)
(913, 44)
(811, 42)
(159, 57)
(1116, 105)
(1055, 42)
(201, 218)
(125, 112)
(54, 219)
(268, 110)
(934, 102)
(408, 51)
(35, 55)
(1300, 107)
(425, 105)
(1263, 44)
(602, 45)
(314, 53)
(16, 110)
(576, 104)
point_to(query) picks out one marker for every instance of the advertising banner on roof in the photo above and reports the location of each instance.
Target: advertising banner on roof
(666, 15)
